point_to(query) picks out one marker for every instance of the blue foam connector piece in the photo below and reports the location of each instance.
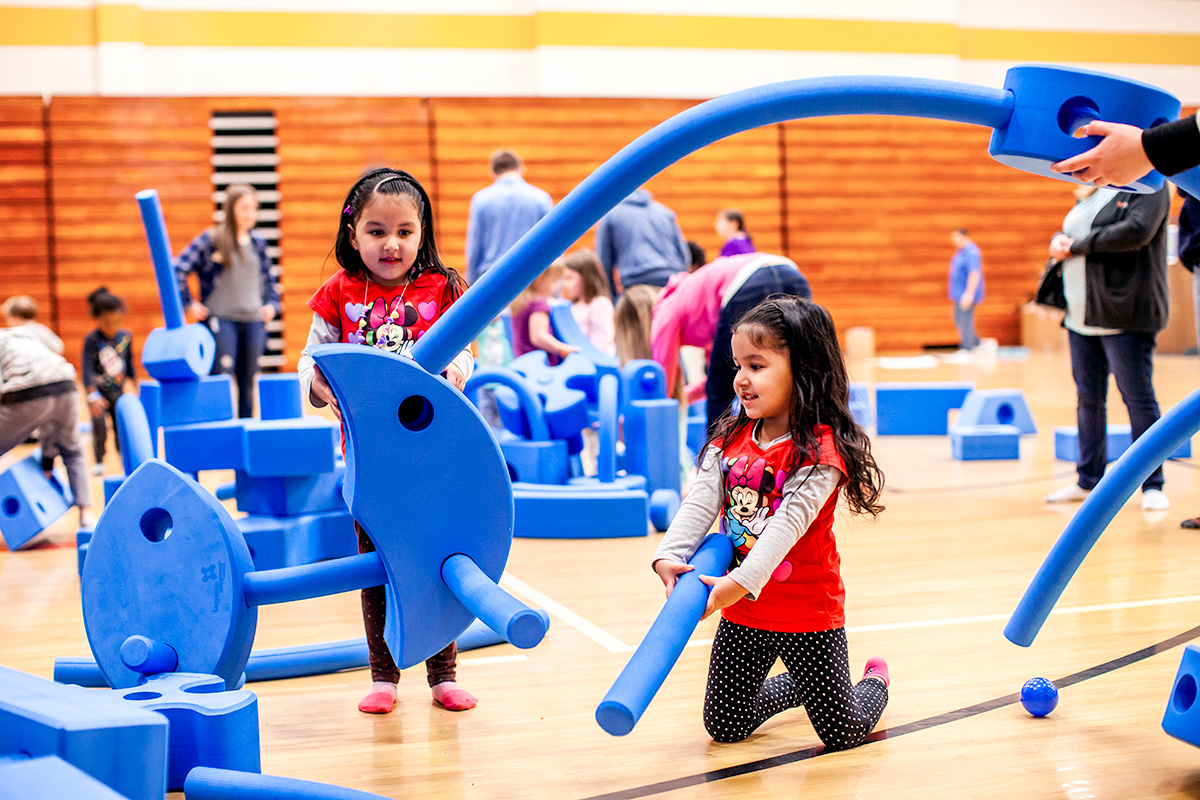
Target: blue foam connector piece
(133, 428)
(652, 442)
(1182, 716)
(997, 407)
(50, 778)
(1118, 440)
(206, 399)
(496, 608)
(985, 442)
(564, 391)
(207, 783)
(118, 744)
(150, 393)
(208, 726)
(654, 658)
(289, 495)
(279, 396)
(276, 542)
(291, 446)
(537, 462)
(566, 329)
(860, 405)
(29, 501)
(513, 394)
(917, 409)
(197, 446)
(572, 512)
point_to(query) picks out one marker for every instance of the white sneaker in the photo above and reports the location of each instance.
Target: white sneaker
(98, 470)
(1155, 500)
(1068, 494)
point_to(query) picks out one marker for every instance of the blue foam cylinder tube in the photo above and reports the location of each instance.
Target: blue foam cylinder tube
(606, 460)
(160, 252)
(496, 608)
(1119, 483)
(209, 783)
(642, 677)
(137, 443)
(313, 580)
(670, 141)
(148, 656)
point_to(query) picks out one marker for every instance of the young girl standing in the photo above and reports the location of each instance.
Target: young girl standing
(531, 318)
(584, 285)
(774, 473)
(391, 288)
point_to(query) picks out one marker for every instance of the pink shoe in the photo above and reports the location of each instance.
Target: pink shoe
(877, 668)
(452, 697)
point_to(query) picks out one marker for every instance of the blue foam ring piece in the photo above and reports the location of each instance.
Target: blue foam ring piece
(606, 459)
(208, 783)
(179, 354)
(133, 427)
(496, 608)
(654, 658)
(313, 580)
(535, 420)
(1053, 102)
(50, 778)
(1095, 513)
(145, 655)
(421, 421)
(279, 396)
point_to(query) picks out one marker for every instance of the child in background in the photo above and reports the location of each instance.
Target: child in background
(21, 310)
(584, 285)
(634, 312)
(773, 474)
(390, 268)
(107, 367)
(531, 318)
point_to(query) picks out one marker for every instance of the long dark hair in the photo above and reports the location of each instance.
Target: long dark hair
(395, 183)
(821, 390)
(225, 235)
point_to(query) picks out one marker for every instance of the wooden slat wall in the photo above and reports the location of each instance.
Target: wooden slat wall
(869, 201)
(24, 225)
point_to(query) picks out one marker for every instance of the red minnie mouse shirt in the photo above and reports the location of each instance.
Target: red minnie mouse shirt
(391, 318)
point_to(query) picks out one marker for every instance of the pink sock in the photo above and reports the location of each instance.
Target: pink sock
(380, 700)
(452, 697)
(877, 668)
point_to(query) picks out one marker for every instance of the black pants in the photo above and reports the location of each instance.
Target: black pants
(100, 425)
(740, 698)
(775, 279)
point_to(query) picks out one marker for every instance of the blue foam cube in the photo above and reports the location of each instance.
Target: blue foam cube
(29, 501)
(205, 445)
(118, 744)
(985, 442)
(917, 409)
(536, 462)
(291, 446)
(279, 396)
(652, 442)
(206, 399)
(277, 542)
(289, 495)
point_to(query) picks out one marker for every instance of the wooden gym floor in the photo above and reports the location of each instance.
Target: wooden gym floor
(930, 586)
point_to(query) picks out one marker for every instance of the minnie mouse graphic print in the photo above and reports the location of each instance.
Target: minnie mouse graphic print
(391, 318)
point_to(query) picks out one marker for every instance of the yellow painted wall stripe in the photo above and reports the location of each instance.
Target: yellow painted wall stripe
(20, 25)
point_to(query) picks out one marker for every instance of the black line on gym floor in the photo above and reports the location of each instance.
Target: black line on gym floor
(900, 730)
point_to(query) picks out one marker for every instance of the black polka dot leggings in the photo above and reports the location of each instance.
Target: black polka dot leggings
(739, 697)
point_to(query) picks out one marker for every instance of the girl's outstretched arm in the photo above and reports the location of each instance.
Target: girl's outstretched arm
(696, 515)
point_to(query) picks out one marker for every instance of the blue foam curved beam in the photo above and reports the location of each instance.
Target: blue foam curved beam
(208, 783)
(642, 677)
(1119, 483)
(264, 587)
(137, 445)
(496, 608)
(535, 417)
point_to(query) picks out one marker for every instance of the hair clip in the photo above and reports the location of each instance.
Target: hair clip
(347, 209)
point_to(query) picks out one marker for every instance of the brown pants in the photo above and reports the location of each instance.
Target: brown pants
(438, 668)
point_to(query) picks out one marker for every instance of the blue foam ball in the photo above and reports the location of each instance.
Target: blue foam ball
(1039, 696)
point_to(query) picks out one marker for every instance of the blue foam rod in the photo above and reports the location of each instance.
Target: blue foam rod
(208, 783)
(496, 608)
(137, 439)
(160, 252)
(313, 580)
(1095, 513)
(654, 658)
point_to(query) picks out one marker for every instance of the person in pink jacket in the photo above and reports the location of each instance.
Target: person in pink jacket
(700, 308)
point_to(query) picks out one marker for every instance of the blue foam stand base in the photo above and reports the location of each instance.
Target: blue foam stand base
(1182, 717)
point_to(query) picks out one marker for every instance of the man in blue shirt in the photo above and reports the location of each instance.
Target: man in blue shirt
(501, 213)
(965, 287)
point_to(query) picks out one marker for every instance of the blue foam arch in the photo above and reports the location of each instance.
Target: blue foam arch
(535, 418)
(642, 677)
(1151, 449)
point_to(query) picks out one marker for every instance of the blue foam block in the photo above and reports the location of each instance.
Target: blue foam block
(985, 442)
(206, 399)
(205, 445)
(289, 495)
(279, 396)
(1182, 717)
(277, 542)
(652, 442)
(118, 744)
(1119, 439)
(568, 512)
(291, 446)
(537, 462)
(50, 778)
(917, 409)
(209, 727)
(111, 484)
(83, 538)
(29, 501)
(150, 393)
(997, 407)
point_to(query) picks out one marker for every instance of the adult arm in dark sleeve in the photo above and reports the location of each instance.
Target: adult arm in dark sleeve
(1138, 228)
